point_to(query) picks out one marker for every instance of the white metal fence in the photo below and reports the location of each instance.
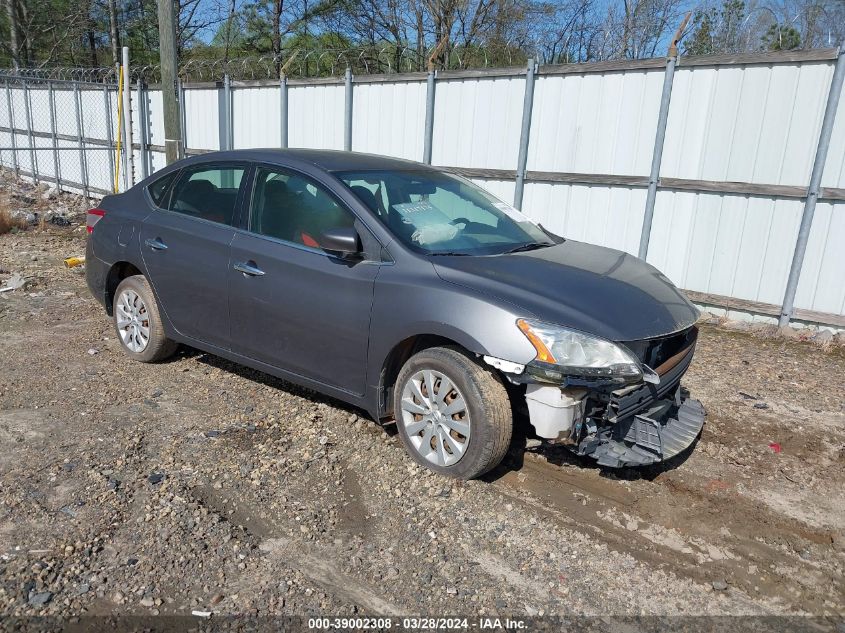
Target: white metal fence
(741, 137)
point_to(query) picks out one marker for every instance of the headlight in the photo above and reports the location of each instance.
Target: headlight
(575, 353)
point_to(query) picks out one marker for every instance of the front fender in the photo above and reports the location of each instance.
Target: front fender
(407, 306)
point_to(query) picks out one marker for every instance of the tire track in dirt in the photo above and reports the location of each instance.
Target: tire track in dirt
(313, 562)
(682, 526)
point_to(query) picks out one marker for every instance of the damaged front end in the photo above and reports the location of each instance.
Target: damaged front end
(619, 403)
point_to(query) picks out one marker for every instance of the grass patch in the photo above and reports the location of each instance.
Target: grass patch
(8, 223)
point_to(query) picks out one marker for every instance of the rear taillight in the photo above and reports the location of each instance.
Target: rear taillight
(94, 216)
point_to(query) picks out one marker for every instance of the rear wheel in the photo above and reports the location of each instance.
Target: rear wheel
(138, 322)
(453, 415)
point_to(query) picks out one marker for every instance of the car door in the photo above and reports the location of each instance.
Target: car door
(292, 304)
(185, 247)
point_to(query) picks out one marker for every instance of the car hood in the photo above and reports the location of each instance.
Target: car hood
(590, 288)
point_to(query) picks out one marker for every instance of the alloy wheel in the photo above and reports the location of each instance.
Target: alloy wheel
(133, 321)
(435, 417)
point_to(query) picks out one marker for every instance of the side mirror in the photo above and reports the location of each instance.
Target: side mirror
(342, 241)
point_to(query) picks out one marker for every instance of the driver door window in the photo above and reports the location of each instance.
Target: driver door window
(293, 208)
(208, 192)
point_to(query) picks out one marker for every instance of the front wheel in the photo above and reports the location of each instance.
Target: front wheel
(453, 415)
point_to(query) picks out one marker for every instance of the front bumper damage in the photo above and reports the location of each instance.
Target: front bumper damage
(657, 434)
(630, 425)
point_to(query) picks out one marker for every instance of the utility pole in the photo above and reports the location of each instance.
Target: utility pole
(169, 88)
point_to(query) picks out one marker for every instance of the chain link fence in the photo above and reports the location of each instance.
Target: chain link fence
(60, 132)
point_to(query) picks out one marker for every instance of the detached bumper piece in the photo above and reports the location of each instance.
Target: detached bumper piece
(667, 428)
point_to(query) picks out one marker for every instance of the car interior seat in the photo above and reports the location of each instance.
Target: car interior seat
(198, 198)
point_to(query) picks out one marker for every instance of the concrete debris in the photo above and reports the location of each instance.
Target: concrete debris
(820, 335)
(788, 332)
(824, 338)
(29, 217)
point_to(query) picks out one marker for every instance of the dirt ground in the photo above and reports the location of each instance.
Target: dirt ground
(198, 485)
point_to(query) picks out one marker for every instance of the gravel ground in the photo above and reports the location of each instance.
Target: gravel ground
(197, 484)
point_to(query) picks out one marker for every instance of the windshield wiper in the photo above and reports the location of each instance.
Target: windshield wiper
(531, 246)
(449, 253)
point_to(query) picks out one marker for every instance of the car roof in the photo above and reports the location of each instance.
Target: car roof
(326, 159)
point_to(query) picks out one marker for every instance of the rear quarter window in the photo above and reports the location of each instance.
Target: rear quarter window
(159, 189)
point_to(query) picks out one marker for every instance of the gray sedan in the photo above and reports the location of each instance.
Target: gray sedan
(404, 290)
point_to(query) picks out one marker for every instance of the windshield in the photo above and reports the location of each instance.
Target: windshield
(440, 214)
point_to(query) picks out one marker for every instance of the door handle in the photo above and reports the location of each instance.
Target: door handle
(248, 268)
(156, 244)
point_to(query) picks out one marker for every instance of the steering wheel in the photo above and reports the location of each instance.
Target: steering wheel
(460, 221)
(187, 208)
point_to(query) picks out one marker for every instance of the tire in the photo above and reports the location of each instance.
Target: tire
(490, 422)
(143, 316)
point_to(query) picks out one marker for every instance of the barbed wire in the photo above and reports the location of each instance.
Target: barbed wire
(62, 73)
(298, 62)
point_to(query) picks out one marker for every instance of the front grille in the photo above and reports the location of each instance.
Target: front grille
(656, 351)
(628, 401)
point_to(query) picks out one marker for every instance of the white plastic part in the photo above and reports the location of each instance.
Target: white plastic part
(504, 365)
(553, 410)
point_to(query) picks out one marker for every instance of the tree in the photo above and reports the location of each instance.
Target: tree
(14, 32)
(636, 29)
(401, 34)
(114, 33)
(568, 30)
(717, 30)
(781, 38)
(36, 37)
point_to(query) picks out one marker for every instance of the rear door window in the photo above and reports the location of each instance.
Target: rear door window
(209, 192)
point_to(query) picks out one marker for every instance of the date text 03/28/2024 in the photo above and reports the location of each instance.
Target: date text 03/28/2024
(420, 623)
